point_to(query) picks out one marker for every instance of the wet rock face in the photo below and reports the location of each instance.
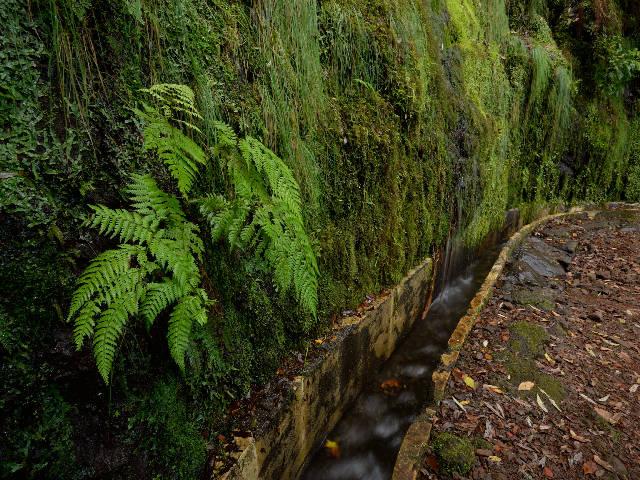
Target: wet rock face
(535, 271)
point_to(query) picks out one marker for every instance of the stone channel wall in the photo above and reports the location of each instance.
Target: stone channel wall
(321, 396)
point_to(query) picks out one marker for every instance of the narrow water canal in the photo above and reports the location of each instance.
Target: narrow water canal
(371, 431)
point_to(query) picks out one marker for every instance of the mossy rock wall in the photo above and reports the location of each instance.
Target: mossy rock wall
(403, 120)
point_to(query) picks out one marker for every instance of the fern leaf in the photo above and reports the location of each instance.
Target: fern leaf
(110, 327)
(157, 297)
(180, 323)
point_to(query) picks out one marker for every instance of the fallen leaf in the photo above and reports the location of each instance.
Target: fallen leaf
(541, 404)
(390, 384)
(549, 359)
(589, 468)
(547, 472)
(459, 404)
(608, 416)
(604, 399)
(525, 386)
(602, 463)
(553, 402)
(634, 388)
(469, 382)
(432, 462)
(318, 341)
(332, 448)
(577, 437)
(492, 388)
(494, 458)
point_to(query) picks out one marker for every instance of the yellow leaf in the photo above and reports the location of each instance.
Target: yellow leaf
(333, 449)
(525, 386)
(550, 359)
(495, 459)
(469, 382)
(493, 388)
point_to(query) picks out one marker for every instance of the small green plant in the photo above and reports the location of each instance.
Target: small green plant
(456, 455)
(157, 264)
(265, 215)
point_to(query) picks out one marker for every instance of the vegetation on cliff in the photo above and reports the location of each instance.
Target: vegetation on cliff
(400, 120)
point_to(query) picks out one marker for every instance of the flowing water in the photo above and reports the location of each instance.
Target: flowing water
(371, 431)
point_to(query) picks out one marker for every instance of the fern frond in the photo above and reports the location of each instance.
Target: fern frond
(189, 308)
(177, 97)
(127, 226)
(267, 214)
(157, 297)
(102, 272)
(110, 327)
(150, 200)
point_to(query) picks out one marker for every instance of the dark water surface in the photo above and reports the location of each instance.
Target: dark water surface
(371, 431)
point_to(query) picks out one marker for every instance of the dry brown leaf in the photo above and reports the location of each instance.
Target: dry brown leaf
(608, 416)
(589, 468)
(603, 464)
(526, 386)
(577, 437)
(391, 384)
(493, 388)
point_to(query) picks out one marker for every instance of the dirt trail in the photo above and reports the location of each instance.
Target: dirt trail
(548, 383)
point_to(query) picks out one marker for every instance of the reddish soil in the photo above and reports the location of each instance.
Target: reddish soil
(591, 315)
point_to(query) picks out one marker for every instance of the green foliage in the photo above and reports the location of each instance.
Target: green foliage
(155, 266)
(156, 263)
(265, 215)
(620, 64)
(180, 153)
(169, 433)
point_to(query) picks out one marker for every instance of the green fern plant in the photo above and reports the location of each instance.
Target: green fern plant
(175, 110)
(156, 266)
(264, 215)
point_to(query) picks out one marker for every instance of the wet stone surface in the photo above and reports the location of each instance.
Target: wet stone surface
(549, 378)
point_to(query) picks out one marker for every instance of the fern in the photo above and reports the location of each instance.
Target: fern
(265, 215)
(156, 265)
(180, 153)
(117, 284)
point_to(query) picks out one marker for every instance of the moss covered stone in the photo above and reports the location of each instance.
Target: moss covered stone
(528, 339)
(522, 369)
(455, 454)
(539, 298)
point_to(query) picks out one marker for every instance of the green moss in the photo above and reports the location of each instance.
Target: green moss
(536, 297)
(528, 339)
(455, 455)
(480, 442)
(522, 369)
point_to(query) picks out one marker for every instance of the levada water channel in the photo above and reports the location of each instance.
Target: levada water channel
(370, 433)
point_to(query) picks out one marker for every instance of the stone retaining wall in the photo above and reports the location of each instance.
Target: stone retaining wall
(325, 391)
